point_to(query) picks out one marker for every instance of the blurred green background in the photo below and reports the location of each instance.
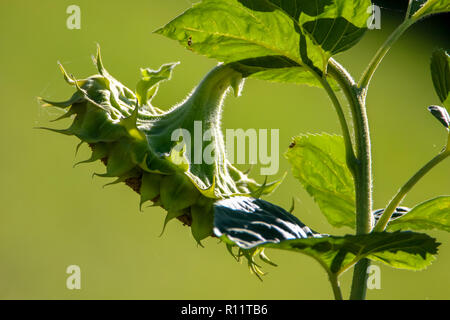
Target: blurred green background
(53, 215)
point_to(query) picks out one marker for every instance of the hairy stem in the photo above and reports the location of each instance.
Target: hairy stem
(363, 170)
(393, 204)
(359, 282)
(363, 184)
(351, 160)
(350, 154)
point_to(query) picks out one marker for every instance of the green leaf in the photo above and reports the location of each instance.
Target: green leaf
(278, 69)
(255, 224)
(335, 25)
(318, 162)
(403, 250)
(148, 85)
(306, 33)
(440, 73)
(431, 214)
(421, 8)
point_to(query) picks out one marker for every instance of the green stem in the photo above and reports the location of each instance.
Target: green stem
(363, 172)
(335, 285)
(393, 204)
(363, 181)
(350, 154)
(348, 86)
(359, 282)
(351, 159)
(363, 185)
(332, 277)
(373, 65)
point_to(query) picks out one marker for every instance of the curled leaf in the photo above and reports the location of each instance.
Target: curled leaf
(254, 224)
(441, 115)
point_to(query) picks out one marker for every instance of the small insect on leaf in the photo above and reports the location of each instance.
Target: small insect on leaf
(441, 114)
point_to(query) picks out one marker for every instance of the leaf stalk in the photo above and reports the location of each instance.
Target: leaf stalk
(401, 194)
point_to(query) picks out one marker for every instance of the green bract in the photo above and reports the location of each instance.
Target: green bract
(136, 141)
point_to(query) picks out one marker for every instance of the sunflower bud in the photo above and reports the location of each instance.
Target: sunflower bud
(135, 141)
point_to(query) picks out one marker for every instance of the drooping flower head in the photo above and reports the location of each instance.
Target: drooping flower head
(152, 150)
